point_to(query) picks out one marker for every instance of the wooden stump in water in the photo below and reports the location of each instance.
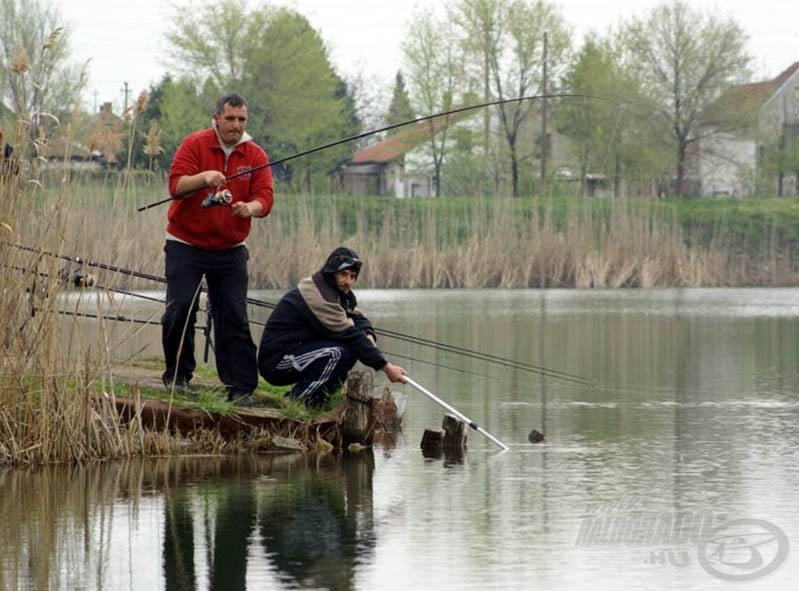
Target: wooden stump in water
(535, 436)
(454, 433)
(358, 423)
(450, 440)
(432, 443)
(386, 409)
(367, 417)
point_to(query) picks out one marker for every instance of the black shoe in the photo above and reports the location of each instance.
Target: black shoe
(243, 399)
(180, 384)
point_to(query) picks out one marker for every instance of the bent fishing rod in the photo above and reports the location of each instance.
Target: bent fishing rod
(448, 407)
(487, 357)
(359, 136)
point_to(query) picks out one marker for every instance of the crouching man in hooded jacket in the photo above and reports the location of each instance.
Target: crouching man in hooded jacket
(315, 334)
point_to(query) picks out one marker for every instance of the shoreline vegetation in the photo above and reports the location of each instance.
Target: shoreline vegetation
(453, 243)
(49, 409)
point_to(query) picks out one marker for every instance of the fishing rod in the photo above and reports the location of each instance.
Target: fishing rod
(115, 318)
(76, 280)
(456, 412)
(539, 370)
(121, 270)
(362, 135)
(89, 263)
(79, 281)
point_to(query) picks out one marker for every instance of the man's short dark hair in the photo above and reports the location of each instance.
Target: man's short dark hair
(233, 99)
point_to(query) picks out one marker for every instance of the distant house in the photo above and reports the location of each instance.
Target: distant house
(98, 150)
(401, 165)
(395, 166)
(738, 130)
(56, 152)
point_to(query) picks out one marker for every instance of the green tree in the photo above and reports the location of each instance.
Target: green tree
(298, 97)
(400, 109)
(508, 36)
(178, 107)
(584, 118)
(601, 120)
(434, 76)
(275, 58)
(682, 59)
(213, 41)
(479, 28)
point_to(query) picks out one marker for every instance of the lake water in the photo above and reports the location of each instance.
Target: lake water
(677, 469)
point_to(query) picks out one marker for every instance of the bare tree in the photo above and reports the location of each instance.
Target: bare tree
(35, 77)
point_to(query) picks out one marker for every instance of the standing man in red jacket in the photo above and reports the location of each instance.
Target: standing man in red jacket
(208, 222)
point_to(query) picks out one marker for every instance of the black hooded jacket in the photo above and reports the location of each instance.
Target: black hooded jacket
(315, 310)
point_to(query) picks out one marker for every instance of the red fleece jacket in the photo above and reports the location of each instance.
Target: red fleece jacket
(215, 228)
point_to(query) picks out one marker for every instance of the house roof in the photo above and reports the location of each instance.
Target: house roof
(743, 101)
(395, 146)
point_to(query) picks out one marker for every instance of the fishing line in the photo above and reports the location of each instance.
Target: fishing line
(539, 370)
(380, 130)
(440, 365)
(493, 358)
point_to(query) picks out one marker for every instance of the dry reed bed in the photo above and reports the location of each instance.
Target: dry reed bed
(50, 411)
(487, 246)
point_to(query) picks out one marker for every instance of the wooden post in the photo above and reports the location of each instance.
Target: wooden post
(454, 432)
(358, 423)
(432, 443)
(451, 439)
(387, 412)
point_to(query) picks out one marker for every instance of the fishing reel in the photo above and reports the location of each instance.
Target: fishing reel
(78, 278)
(223, 197)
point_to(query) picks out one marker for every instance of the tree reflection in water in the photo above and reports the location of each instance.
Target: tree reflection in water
(310, 520)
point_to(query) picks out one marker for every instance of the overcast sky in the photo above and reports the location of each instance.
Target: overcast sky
(125, 40)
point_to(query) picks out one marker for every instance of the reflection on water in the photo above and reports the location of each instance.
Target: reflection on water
(694, 417)
(188, 524)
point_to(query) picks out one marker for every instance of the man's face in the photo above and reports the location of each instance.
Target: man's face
(345, 279)
(231, 123)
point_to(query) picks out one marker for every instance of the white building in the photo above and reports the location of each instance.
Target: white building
(740, 128)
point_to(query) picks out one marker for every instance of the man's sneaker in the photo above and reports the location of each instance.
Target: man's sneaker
(243, 399)
(180, 384)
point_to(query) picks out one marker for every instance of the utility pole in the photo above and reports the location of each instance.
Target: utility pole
(126, 90)
(544, 122)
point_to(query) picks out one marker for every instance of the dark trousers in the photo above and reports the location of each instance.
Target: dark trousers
(225, 274)
(316, 369)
